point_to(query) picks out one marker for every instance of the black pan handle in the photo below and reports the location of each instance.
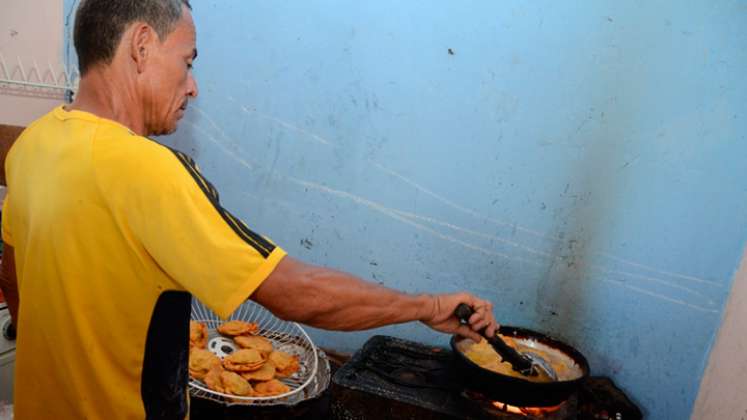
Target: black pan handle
(518, 362)
(463, 312)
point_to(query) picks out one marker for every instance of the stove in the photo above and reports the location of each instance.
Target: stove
(391, 378)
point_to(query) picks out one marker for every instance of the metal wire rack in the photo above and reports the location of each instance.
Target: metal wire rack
(37, 81)
(319, 383)
(285, 336)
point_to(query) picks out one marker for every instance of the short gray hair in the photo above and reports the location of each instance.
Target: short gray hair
(99, 25)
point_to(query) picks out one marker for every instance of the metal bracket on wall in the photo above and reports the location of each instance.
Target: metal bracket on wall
(15, 79)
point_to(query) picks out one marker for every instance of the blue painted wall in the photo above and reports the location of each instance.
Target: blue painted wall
(582, 164)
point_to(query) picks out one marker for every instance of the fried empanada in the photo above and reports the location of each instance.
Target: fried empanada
(285, 364)
(257, 342)
(264, 373)
(281, 359)
(201, 361)
(292, 368)
(236, 327)
(198, 335)
(244, 360)
(269, 388)
(235, 384)
(213, 379)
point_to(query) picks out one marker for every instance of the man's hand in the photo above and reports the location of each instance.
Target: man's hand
(442, 318)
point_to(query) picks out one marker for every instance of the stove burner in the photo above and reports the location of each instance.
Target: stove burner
(564, 410)
(398, 379)
(408, 368)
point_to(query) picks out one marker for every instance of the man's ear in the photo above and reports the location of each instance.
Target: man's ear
(142, 43)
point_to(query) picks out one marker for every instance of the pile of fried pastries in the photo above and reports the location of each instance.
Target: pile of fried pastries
(252, 371)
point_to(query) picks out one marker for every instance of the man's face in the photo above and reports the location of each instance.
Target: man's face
(169, 82)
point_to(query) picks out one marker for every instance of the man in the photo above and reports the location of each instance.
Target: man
(110, 232)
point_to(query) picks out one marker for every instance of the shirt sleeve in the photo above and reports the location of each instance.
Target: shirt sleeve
(7, 219)
(177, 217)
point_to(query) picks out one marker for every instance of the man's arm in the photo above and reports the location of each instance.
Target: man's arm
(8, 283)
(334, 300)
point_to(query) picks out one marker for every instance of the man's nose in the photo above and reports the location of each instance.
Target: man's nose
(192, 86)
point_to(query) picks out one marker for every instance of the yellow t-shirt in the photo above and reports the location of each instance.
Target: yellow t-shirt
(112, 232)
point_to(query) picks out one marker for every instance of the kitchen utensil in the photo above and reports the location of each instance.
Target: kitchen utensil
(571, 368)
(528, 364)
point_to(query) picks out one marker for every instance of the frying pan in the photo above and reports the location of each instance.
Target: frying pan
(520, 391)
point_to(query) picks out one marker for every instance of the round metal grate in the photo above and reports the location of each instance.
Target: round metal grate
(285, 336)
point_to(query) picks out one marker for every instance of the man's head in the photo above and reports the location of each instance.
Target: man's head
(147, 47)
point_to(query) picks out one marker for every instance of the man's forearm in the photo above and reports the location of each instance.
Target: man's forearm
(333, 300)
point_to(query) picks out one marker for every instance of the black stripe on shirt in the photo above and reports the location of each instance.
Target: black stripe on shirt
(163, 382)
(262, 245)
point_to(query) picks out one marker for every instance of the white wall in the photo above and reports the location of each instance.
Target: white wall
(724, 383)
(31, 30)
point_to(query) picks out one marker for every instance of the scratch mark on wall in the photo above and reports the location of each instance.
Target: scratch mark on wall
(395, 215)
(708, 299)
(285, 124)
(472, 232)
(656, 270)
(212, 139)
(533, 232)
(548, 255)
(213, 124)
(457, 206)
(659, 296)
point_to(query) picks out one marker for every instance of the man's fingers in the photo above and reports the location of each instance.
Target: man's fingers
(475, 318)
(483, 317)
(492, 329)
(482, 306)
(466, 331)
(479, 325)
